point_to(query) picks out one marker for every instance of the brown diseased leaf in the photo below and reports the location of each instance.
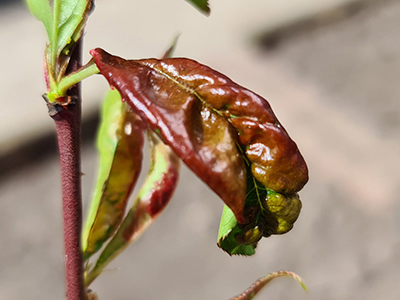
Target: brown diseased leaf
(209, 121)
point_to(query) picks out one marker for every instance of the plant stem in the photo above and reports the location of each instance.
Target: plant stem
(76, 77)
(68, 126)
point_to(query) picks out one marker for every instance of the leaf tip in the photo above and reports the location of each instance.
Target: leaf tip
(294, 276)
(96, 52)
(202, 5)
(256, 287)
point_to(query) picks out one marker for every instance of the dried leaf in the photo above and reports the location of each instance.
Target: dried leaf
(90, 295)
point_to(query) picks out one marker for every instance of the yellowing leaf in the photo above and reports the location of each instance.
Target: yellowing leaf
(120, 143)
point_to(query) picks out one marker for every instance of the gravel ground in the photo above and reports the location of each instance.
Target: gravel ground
(334, 87)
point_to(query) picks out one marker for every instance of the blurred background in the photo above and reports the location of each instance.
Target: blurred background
(330, 69)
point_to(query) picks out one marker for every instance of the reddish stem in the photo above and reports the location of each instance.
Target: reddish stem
(67, 119)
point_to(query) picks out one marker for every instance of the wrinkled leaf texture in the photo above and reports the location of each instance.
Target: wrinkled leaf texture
(217, 127)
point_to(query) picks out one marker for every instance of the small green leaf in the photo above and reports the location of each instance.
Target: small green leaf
(42, 11)
(228, 230)
(72, 17)
(120, 143)
(69, 19)
(201, 5)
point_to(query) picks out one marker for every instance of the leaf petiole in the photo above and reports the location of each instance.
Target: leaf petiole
(68, 81)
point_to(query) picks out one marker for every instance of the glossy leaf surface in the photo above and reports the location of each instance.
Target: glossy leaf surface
(202, 5)
(155, 194)
(255, 288)
(226, 134)
(120, 142)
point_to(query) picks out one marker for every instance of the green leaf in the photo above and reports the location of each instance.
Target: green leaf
(201, 5)
(228, 229)
(73, 15)
(153, 197)
(120, 141)
(42, 11)
(267, 212)
(256, 287)
(68, 23)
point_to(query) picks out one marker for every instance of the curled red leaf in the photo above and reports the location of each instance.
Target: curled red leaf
(217, 127)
